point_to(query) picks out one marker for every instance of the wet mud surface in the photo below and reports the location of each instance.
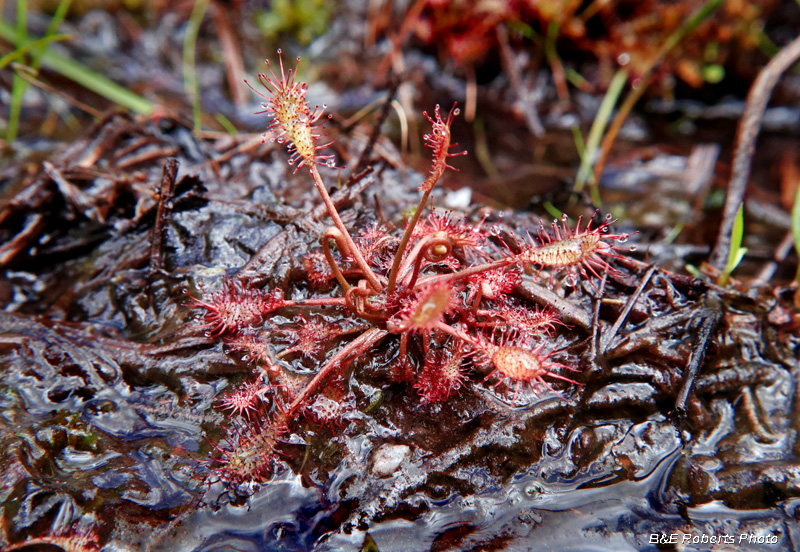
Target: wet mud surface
(109, 387)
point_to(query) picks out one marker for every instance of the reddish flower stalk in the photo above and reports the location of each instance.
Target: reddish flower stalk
(352, 349)
(295, 122)
(438, 140)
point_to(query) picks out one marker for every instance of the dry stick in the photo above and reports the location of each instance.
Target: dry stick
(609, 337)
(707, 328)
(674, 39)
(568, 311)
(376, 128)
(596, 338)
(781, 252)
(749, 126)
(34, 225)
(231, 54)
(162, 215)
(31, 78)
(529, 109)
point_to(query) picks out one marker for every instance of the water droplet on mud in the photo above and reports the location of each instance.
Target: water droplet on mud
(571, 280)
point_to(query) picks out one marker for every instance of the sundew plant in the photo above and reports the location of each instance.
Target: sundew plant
(443, 288)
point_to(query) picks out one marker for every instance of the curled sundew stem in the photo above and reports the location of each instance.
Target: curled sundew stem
(334, 234)
(430, 241)
(418, 254)
(337, 220)
(354, 348)
(398, 257)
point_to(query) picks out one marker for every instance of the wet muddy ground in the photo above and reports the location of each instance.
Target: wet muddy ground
(684, 422)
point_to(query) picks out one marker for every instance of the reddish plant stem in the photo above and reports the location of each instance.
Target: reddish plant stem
(354, 348)
(319, 302)
(398, 257)
(455, 332)
(442, 278)
(418, 255)
(326, 249)
(337, 220)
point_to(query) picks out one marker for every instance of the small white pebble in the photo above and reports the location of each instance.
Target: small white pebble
(458, 199)
(388, 458)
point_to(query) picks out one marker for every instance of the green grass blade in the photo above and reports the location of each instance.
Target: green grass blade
(580, 145)
(82, 75)
(52, 27)
(97, 83)
(22, 18)
(18, 85)
(20, 52)
(597, 130)
(226, 124)
(552, 209)
(189, 59)
(737, 252)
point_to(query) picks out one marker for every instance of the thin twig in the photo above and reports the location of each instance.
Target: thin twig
(749, 127)
(163, 214)
(609, 337)
(596, 344)
(707, 328)
(376, 128)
